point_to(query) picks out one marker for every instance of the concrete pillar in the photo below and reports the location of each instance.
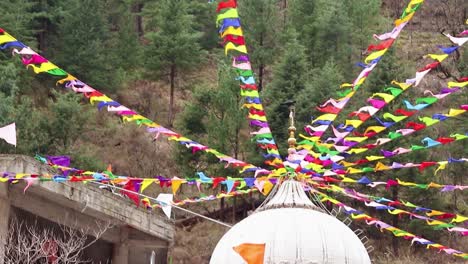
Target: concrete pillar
(120, 254)
(4, 218)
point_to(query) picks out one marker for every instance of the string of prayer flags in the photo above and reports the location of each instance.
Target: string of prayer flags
(41, 65)
(364, 180)
(379, 166)
(230, 31)
(370, 62)
(389, 206)
(263, 184)
(382, 226)
(409, 128)
(379, 100)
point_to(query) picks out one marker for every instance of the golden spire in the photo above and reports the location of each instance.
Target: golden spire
(292, 130)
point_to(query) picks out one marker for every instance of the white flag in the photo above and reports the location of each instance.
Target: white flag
(165, 200)
(8, 133)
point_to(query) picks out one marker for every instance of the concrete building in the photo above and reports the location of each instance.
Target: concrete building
(135, 234)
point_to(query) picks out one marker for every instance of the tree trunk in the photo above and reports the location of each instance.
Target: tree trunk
(395, 242)
(222, 205)
(170, 117)
(285, 13)
(137, 8)
(234, 209)
(261, 68)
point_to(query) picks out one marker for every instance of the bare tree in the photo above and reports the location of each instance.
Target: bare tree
(30, 244)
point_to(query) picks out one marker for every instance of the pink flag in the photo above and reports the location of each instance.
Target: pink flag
(8, 133)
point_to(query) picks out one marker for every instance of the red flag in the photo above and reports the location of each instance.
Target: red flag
(445, 140)
(329, 109)
(415, 126)
(361, 116)
(430, 66)
(426, 164)
(238, 40)
(252, 253)
(228, 4)
(249, 87)
(132, 196)
(404, 112)
(382, 45)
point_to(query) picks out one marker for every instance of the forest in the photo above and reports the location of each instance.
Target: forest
(164, 59)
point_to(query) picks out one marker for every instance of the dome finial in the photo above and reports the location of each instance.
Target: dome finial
(292, 128)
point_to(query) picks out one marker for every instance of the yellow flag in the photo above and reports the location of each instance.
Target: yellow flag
(373, 158)
(459, 219)
(434, 222)
(403, 86)
(457, 84)
(5, 38)
(376, 129)
(66, 79)
(352, 170)
(434, 213)
(102, 98)
(267, 186)
(326, 117)
(231, 13)
(176, 185)
(46, 66)
(438, 57)
(455, 112)
(405, 19)
(375, 55)
(356, 151)
(353, 123)
(356, 139)
(387, 97)
(145, 184)
(230, 46)
(232, 31)
(380, 167)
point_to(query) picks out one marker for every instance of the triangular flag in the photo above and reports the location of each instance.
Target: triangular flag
(8, 133)
(165, 200)
(176, 182)
(145, 184)
(267, 187)
(252, 253)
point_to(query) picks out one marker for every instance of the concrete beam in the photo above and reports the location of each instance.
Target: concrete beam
(89, 200)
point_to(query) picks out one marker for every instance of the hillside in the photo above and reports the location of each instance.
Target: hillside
(147, 54)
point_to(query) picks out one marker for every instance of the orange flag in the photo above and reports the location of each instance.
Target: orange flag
(252, 253)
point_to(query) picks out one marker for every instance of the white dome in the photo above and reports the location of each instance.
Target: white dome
(292, 235)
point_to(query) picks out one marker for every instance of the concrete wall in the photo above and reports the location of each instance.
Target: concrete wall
(137, 232)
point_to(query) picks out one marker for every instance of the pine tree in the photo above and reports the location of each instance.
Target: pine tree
(17, 18)
(260, 21)
(215, 115)
(290, 78)
(82, 46)
(174, 46)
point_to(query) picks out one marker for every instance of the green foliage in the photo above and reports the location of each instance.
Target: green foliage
(17, 18)
(290, 79)
(214, 114)
(84, 43)
(260, 20)
(174, 41)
